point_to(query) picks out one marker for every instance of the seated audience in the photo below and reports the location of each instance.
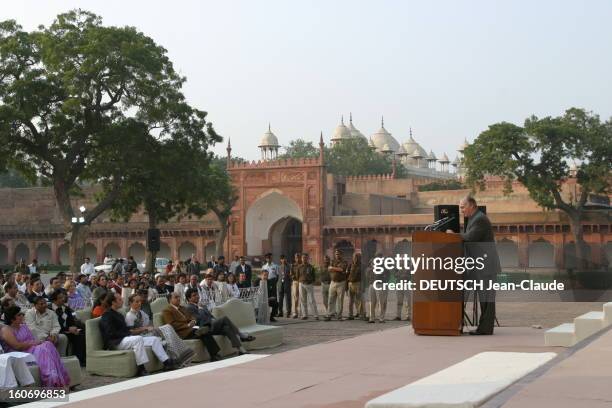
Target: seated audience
(116, 335)
(44, 325)
(181, 286)
(16, 336)
(160, 284)
(184, 325)
(243, 282)
(70, 326)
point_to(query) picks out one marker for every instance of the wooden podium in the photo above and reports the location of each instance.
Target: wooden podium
(436, 312)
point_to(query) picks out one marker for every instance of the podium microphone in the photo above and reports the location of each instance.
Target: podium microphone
(435, 225)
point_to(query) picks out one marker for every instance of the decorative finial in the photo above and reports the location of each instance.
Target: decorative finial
(410, 131)
(321, 151)
(229, 153)
(342, 120)
(321, 139)
(382, 121)
(351, 117)
(269, 127)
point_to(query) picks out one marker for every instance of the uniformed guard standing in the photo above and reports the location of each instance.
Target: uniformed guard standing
(377, 296)
(338, 272)
(325, 281)
(403, 295)
(354, 286)
(295, 284)
(307, 278)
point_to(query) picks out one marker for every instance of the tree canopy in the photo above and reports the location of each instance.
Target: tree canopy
(79, 101)
(539, 154)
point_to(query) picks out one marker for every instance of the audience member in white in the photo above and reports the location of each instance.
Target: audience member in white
(232, 286)
(87, 268)
(44, 325)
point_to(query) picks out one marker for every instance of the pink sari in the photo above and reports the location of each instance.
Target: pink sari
(53, 374)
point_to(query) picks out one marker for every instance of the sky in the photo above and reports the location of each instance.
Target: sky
(446, 69)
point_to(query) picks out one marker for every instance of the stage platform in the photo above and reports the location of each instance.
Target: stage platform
(339, 374)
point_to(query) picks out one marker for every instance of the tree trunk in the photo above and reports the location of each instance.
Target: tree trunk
(76, 250)
(219, 242)
(151, 255)
(577, 232)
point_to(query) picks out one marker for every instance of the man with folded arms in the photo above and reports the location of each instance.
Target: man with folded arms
(338, 272)
(222, 326)
(184, 324)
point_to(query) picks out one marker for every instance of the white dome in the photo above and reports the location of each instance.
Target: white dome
(268, 139)
(355, 133)
(432, 156)
(382, 138)
(463, 146)
(341, 132)
(444, 159)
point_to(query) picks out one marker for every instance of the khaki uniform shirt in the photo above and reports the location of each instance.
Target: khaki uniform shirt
(306, 273)
(339, 276)
(354, 272)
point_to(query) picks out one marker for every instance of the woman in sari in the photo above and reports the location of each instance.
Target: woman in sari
(16, 336)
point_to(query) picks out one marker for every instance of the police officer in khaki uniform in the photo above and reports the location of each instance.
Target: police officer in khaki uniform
(295, 284)
(403, 296)
(354, 287)
(376, 297)
(325, 281)
(307, 279)
(338, 272)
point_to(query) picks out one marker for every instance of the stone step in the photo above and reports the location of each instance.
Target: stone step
(607, 309)
(588, 324)
(561, 336)
(468, 383)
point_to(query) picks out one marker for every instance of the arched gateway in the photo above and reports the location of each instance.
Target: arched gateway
(280, 207)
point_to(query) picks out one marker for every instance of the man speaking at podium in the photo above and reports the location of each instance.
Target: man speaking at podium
(480, 242)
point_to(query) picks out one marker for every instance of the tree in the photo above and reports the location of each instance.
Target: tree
(442, 185)
(171, 181)
(299, 148)
(355, 157)
(539, 154)
(77, 100)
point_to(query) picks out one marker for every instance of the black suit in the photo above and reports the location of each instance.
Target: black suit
(113, 328)
(66, 319)
(222, 326)
(480, 243)
(246, 269)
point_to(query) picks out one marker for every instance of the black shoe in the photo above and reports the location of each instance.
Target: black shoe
(248, 338)
(216, 357)
(272, 319)
(141, 371)
(169, 365)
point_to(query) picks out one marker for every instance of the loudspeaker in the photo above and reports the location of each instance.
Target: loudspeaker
(443, 211)
(482, 208)
(153, 239)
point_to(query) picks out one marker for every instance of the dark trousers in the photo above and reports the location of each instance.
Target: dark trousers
(486, 323)
(223, 326)
(209, 342)
(77, 345)
(284, 293)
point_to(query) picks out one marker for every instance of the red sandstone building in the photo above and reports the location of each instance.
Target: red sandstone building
(286, 206)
